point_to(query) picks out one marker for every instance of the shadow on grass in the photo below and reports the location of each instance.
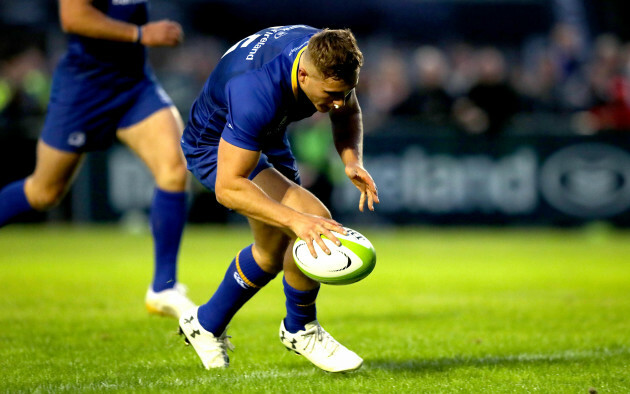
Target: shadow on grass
(448, 363)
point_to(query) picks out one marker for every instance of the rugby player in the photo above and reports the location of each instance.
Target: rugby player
(235, 144)
(104, 88)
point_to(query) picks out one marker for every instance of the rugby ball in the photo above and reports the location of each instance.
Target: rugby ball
(348, 263)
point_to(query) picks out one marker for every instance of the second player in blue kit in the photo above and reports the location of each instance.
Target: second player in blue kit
(103, 88)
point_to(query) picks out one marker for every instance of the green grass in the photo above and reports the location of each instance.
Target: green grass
(457, 310)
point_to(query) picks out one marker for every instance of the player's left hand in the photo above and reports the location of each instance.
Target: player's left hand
(364, 182)
(162, 33)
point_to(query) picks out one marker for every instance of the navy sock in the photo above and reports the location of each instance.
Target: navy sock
(168, 216)
(301, 307)
(13, 201)
(242, 280)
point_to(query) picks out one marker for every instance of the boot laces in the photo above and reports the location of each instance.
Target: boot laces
(317, 334)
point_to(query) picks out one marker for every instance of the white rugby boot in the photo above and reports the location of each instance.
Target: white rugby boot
(170, 302)
(211, 350)
(320, 348)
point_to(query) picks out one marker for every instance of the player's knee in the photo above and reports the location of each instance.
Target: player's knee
(315, 207)
(172, 176)
(270, 257)
(321, 210)
(304, 201)
(43, 198)
(269, 260)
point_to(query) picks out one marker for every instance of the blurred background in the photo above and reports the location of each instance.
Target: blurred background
(493, 112)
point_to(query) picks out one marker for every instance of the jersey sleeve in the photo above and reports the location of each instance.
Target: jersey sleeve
(251, 106)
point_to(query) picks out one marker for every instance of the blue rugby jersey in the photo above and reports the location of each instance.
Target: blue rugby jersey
(253, 92)
(125, 55)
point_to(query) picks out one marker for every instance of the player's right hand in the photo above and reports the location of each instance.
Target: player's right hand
(162, 33)
(310, 228)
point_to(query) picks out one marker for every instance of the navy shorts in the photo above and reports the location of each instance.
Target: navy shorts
(201, 160)
(90, 101)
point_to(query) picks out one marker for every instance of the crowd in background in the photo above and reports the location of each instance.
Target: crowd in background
(481, 89)
(540, 78)
(474, 88)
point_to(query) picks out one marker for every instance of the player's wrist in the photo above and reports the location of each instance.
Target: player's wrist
(138, 35)
(353, 165)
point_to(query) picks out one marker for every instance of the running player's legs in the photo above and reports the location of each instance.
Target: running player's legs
(77, 121)
(54, 172)
(155, 140)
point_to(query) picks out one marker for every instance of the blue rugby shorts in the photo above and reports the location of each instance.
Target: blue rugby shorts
(90, 101)
(201, 160)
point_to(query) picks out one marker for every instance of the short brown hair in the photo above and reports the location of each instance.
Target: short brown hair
(335, 54)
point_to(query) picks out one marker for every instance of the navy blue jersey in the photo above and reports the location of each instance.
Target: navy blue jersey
(128, 55)
(253, 92)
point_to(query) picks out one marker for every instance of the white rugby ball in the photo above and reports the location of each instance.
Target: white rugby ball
(348, 263)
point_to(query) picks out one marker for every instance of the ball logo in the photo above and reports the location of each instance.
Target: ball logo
(355, 234)
(302, 250)
(347, 265)
(588, 180)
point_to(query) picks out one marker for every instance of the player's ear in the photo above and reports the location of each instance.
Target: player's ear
(302, 74)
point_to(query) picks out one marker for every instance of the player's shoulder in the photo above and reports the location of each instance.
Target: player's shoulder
(253, 102)
(255, 92)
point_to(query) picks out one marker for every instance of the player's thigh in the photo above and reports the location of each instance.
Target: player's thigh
(271, 243)
(156, 140)
(289, 193)
(54, 172)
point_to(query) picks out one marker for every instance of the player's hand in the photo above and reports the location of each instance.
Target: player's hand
(364, 182)
(310, 228)
(162, 33)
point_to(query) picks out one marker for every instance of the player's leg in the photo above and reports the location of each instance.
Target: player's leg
(254, 266)
(300, 291)
(300, 331)
(257, 264)
(245, 276)
(155, 139)
(42, 190)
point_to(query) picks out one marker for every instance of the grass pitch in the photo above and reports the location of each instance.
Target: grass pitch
(457, 310)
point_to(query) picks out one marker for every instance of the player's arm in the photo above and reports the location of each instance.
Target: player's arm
(234, 190)
(347, 126)
(80, 17)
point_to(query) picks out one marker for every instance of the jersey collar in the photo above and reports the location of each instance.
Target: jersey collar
(294, 80)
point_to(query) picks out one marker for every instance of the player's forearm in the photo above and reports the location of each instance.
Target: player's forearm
(80, 17)
(347, 127)
(348, 138)
(245, 197)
